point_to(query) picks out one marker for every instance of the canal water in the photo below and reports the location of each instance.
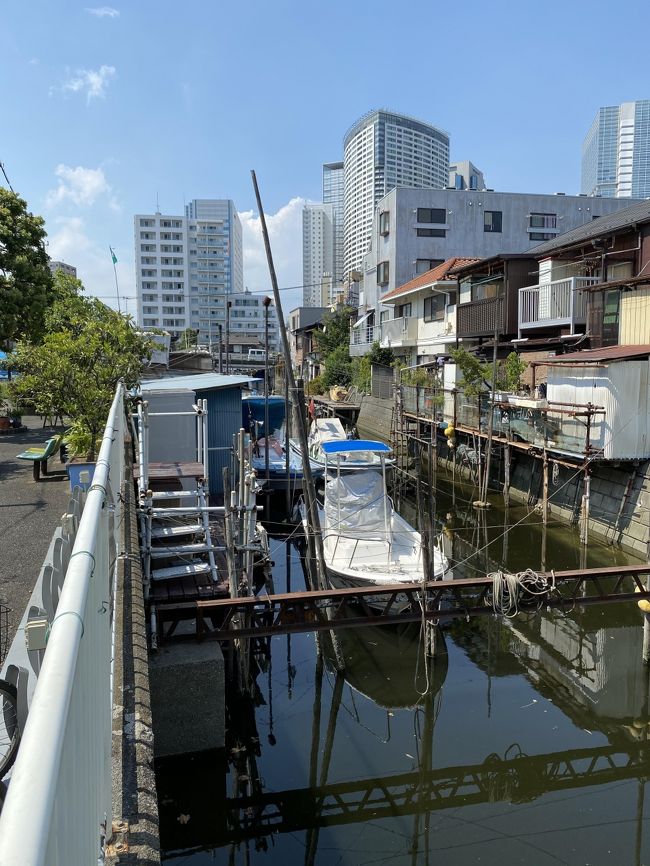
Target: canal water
(522, 741)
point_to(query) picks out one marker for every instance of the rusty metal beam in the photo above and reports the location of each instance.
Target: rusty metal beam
(288, 613)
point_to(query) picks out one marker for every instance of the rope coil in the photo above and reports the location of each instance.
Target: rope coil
(509, 590)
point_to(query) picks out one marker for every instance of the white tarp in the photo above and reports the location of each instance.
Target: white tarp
(324, 430)
(355, 502)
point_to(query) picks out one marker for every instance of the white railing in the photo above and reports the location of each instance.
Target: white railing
(555, 303)
(396, 332)
(58, 805)
(362, 336)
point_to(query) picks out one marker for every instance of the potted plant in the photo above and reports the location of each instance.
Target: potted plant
(82, 448)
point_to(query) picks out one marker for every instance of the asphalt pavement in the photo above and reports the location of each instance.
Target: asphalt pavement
(29, 513)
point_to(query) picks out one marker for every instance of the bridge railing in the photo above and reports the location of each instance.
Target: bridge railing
(58, 804)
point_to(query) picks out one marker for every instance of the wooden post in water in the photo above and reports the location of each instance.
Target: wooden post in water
(506, 474)
(545, 487)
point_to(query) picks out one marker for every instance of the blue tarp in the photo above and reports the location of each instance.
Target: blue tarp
(3, 373)
(337, 446)
(253, 411)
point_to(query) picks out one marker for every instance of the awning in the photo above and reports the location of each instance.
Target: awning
(363, 318)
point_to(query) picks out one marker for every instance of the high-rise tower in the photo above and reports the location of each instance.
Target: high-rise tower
(382, 151)
(616, 152)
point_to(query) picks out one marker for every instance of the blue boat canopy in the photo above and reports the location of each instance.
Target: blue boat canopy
(339, 446)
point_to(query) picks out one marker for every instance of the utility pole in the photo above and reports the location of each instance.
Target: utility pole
(482, 502)
(220, 348)
(312, 508)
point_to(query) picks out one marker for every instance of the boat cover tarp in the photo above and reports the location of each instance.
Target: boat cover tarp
(355, 503)
(323, 430)
(253, 413)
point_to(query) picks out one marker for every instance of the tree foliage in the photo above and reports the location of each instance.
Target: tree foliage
(335, 331)
(474, 372)
(73, 371)
(338, 368)
(25, 278)
(361, 367)
(510, 372)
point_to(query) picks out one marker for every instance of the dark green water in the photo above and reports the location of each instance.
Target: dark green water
(523, 742)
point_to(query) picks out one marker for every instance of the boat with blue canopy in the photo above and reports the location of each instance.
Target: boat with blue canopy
(365, 541)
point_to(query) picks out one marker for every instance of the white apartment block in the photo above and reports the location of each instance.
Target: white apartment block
(187, 267)
(247, 319)
(318, 250)
(383, 151)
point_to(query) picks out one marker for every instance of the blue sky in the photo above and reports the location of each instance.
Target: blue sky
(106, 107)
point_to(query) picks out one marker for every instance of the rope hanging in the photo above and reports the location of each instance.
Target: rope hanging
(508, 590)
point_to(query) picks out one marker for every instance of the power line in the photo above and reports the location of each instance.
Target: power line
(2, 168)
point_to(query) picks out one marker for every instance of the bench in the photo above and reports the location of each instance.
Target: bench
(40, 456)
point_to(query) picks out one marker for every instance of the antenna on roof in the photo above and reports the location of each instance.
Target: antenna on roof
(157, 203)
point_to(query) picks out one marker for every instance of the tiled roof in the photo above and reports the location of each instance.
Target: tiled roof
(604, 225)
(435, 275)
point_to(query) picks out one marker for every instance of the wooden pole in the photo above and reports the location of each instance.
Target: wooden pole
(506, 474)
(312, 509)
(545, 488)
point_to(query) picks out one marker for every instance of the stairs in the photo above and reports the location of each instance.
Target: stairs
(177, 540)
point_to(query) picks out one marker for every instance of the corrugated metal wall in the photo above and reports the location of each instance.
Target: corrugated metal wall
(622, 389)
(224, 419)
(634, 327)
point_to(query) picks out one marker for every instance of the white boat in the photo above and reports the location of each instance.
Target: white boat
(366, 542)
(331, 430)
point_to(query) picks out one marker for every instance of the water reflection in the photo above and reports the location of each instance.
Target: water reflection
(520, 741)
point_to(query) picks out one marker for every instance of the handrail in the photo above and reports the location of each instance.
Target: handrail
(67, 738)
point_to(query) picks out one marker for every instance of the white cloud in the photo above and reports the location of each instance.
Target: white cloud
(103, 12)
(82, 186)
(92, 82)
(70, 242)
(285, 235)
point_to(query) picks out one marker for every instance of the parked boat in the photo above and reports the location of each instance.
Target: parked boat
(254, 412)
(365, 541)
(331, 430)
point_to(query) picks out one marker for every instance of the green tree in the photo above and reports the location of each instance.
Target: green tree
(335, 331)
(473, 371)
(25, 278)
(188, 338)
(510, 372)
(361, 367)
(338, 368)
(73, 371)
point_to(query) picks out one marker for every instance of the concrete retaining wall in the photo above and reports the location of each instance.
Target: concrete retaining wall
(375, 417)
(135, 804)
(619, 514)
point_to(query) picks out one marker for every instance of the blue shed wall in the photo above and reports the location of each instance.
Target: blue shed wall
(224, 419)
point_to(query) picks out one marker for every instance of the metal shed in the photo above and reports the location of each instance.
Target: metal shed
(616, 378)
(173, 438)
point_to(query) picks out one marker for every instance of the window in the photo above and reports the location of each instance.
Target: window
(492, 289)
(383, 270)
(403, 311)
(424, 265)
(384, 222)
(434, 308)
(432, 215)
(540, 236)
(492, 220)
(542, 221)
(431, 233)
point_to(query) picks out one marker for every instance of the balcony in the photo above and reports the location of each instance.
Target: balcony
(399, 332)
(480, 318)
(555, 304)
(361, 339)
